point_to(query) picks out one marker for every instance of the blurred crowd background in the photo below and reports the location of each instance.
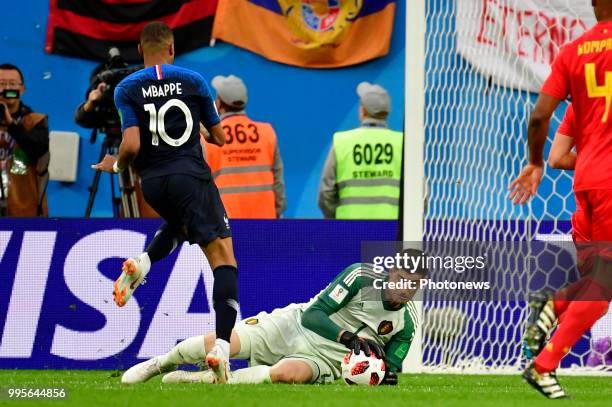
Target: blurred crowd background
(305, 106)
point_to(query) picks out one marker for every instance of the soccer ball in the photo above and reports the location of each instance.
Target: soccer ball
(363, 370)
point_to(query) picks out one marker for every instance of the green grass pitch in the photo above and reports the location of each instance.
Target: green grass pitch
(92, 388)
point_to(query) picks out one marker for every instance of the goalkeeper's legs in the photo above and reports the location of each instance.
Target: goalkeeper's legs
(193, 350)
(190, 351)
(292, 371)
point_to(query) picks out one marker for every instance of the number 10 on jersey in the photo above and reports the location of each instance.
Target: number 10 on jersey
(157, 124)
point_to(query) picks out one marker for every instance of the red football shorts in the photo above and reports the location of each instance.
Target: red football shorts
(592, 225)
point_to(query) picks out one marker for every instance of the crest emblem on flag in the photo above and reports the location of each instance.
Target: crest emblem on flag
(308, 33)
(317, 23)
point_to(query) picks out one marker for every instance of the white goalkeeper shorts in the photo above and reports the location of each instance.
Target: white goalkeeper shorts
(267, 338)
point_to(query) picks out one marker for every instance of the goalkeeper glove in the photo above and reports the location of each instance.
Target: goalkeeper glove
(357, 344)
(390, 378)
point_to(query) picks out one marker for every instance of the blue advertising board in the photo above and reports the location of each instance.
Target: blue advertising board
(56, 276)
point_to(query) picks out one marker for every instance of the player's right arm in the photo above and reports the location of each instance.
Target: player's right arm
(554, 91)
(561, 155)
(130, 142)
(336, 296)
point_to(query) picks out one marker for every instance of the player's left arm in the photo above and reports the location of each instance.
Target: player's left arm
(130, 143)
(209, 116)
(397, 349)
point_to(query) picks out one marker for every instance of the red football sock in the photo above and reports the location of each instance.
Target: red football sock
(577, 319)
(564, 296)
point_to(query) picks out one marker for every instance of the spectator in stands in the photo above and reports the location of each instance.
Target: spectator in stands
(24, 149)
(248, 169)
(361, 176)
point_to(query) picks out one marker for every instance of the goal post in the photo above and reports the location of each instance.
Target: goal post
(473, 70)
(414, 139)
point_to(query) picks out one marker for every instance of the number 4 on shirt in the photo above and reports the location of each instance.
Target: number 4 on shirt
(597, 91)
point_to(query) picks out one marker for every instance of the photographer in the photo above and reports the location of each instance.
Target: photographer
(24, 149)
(88, 114)
(98, 112)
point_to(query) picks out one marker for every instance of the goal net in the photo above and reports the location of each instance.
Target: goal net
(485, 60)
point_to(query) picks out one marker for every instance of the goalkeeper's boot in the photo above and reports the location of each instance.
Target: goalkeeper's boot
(144, 371)
(542, 321)
(182, 376)
(545, 383)
(132, 275)
(218, 363)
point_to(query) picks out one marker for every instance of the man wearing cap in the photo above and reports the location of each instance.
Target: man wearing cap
(361, 177)
(248, 169)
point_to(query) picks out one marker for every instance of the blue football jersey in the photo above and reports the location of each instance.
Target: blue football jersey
(167, 103)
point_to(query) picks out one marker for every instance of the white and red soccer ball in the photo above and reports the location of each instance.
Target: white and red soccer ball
(362, 370)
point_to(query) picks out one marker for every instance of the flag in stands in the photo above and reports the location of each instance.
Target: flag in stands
(88, 28)
(308, 33)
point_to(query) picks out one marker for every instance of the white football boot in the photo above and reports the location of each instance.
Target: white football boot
(545, 383)
(218, 363)
(132, 275)
(182, 376)
(144, 371)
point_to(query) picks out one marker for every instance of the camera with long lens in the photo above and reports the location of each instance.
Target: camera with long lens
(112, 72)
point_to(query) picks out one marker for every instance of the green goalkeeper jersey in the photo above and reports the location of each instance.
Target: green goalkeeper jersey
(350, 303)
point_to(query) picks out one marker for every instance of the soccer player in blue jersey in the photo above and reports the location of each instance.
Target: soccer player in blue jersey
(162, 109)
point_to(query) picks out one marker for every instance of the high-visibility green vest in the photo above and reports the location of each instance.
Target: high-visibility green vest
(368, 169)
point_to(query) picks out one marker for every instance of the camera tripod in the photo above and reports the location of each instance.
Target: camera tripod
(125, 205)
(3, 197)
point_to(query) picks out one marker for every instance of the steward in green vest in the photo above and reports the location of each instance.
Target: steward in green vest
(361, 177)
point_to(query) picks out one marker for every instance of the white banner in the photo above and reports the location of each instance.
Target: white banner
(514, 42)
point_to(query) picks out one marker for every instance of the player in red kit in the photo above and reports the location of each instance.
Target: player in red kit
(582, 70)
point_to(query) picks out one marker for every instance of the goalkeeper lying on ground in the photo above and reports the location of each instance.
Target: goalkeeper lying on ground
(305, 343)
